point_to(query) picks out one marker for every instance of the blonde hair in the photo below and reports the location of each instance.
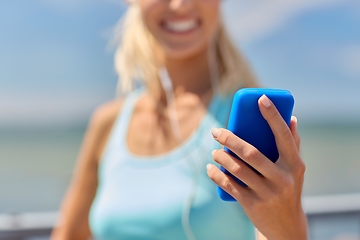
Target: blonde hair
(135, 58)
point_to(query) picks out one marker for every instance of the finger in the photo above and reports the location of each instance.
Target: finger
(245, 151)
(283, 136)
(293, 129)
(300, 166)
(228, 184)
(239, 169)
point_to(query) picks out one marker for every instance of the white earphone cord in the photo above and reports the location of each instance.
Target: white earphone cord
(170, 96)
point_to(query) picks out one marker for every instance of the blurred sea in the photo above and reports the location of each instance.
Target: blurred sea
(36, 165)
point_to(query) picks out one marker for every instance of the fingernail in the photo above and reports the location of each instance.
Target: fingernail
(209, 166)
(213, 152)
(216, 132)
(294, 118)
(265, 101)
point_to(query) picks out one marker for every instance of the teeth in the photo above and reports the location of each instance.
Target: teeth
(181, 26)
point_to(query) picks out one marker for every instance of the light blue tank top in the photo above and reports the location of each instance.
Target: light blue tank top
(165, 196)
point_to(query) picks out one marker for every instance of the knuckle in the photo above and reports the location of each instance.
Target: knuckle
(242, 197)
(300, 168)
(237, 170)
(224, 137)
(287, 134)
(216, 156)
(227, 184)
(250, 153)
(251, 156)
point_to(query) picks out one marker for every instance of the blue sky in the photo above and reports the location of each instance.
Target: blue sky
(55, 68)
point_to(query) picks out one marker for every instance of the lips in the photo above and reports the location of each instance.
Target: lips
(181, 26)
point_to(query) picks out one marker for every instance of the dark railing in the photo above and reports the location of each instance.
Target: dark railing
(329, 217)
(30, 234)
(27, 226)
(333, 217)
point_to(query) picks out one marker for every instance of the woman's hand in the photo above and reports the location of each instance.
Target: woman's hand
(272, 201)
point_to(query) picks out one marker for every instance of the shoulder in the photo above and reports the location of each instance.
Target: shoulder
(101, 124)
(105, 115)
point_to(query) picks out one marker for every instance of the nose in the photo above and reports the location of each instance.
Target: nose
(181, 5)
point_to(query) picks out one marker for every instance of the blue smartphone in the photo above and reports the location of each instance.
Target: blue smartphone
(247, 123)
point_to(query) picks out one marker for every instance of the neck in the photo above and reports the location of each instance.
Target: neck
(191, 74)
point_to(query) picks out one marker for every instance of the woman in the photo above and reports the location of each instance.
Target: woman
(141, 171)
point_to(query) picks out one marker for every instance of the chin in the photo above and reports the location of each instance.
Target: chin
(182, 52)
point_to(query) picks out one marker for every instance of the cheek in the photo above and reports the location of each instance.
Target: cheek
(210, 11)
(150, 10)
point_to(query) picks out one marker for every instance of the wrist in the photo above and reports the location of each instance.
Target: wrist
(296, 231)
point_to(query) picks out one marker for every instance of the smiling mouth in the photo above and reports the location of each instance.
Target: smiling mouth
(183, 26)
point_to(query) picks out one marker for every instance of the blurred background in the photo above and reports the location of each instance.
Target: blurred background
(56, 67)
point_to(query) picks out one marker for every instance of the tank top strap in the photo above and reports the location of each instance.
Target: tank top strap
(122, 121)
